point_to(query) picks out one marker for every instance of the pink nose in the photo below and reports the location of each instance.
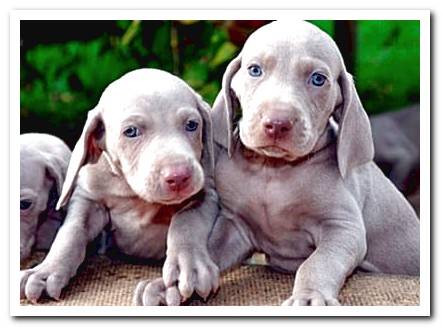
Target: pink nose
(277, 127)
(177, 178)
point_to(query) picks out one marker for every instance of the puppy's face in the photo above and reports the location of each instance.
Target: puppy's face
(153, 136)
(35, 185)
(287, 87)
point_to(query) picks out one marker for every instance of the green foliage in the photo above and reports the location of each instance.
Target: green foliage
(64, 81)
(61, 81)
(324, 25)
(388, 64)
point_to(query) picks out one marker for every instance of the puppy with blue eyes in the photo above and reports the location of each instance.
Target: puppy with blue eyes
(295, 174)
(144, 165)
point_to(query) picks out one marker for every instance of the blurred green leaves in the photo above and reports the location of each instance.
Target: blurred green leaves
(64, 81)
(61, 81)
(388, 64)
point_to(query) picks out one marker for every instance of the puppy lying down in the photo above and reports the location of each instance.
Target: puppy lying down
(43, 164)
(144, 165)
(295, 176)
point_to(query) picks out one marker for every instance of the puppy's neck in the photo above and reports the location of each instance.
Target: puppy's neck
(327, 137)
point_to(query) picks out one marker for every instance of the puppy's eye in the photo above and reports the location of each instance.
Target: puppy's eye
(131, 132)
(25, 204)
(191, 125)
(255, 70)
(318, 79)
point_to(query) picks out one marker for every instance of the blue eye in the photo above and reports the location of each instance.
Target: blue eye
(191, 126)
(25, 204)
(318, 79)
(255, 71)
(131, 132)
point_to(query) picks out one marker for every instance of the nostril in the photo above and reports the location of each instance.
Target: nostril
(170, 181)
(269, 126)
(283, 126)
(177, 179)
(185, 179)
(284, 129)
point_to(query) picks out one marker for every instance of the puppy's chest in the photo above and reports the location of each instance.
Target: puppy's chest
(138, 228)
(263, 196)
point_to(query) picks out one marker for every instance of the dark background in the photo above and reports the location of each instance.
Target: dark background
(65, 65)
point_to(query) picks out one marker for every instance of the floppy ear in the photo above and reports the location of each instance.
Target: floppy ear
(56, 170)
(224, 106)
(49, 224)
(354, 142)
(207, 136)
(87, 150)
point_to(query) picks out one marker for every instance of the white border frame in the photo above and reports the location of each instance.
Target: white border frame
(422, 15)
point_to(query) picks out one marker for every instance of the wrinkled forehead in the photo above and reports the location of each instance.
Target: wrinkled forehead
(146, 97)
(289, 41)
(32, 170)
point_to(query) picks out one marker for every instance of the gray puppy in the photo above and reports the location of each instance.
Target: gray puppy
(397, 146)
(297, 188)
(43, 164)
(144, 164)
(295, 177)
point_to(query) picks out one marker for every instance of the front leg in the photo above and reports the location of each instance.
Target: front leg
(230, 242)
(341, 246)
(84, 220)
(228, 245)
(188, 263)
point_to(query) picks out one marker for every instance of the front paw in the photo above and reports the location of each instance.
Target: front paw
(192, 270)
(310, 298)
(50, 279)
(149, 293)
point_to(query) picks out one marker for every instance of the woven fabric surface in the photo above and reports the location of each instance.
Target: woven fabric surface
(102, 281)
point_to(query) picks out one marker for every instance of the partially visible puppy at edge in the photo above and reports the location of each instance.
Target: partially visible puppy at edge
(397, 149)
(295, 175)
(43, 164)
(144, 165)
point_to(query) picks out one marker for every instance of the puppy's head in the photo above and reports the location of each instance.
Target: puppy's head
(154, 131)
(41, 178)
(289, 79)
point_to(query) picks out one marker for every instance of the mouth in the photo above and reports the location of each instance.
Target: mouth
(177, 197)
(278, 152)
(274, 151)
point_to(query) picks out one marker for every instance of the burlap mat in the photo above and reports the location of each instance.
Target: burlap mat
(102, 281)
